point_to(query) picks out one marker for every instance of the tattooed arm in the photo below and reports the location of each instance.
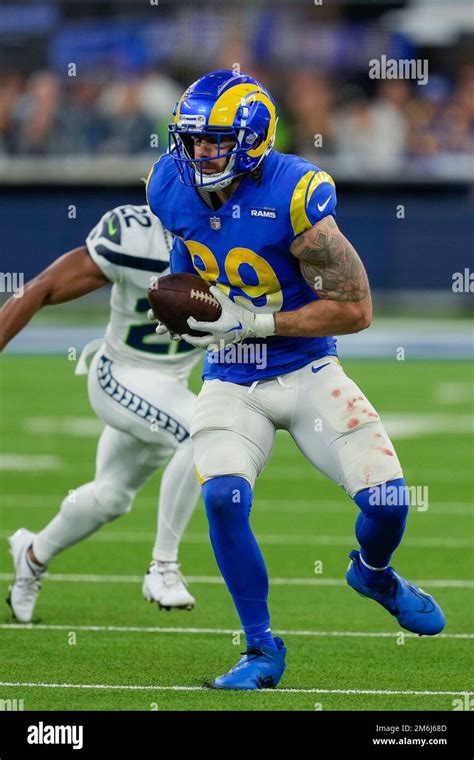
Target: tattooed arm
(332, 268)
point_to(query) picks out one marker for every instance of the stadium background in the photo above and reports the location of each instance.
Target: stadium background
(86, 88)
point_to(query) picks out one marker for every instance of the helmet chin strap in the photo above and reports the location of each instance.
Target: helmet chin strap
(213, 186)
(214, 181)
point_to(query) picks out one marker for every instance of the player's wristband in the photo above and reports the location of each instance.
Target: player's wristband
(264, 325)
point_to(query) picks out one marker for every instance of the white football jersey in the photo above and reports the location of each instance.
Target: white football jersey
(132, 248)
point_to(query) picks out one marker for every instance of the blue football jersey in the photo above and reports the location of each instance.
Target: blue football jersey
(243, 247)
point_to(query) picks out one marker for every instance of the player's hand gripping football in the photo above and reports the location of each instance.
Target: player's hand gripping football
(234, 324)
(160, 328)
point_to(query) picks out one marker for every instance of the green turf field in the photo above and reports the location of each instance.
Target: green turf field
(95, 633)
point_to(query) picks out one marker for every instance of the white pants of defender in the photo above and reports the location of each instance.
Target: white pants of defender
(149, 425)
(331, 421)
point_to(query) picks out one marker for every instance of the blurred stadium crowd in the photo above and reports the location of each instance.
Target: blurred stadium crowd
(130, 73)
(42, 114)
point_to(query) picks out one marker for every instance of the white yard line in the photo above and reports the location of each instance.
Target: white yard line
(217, 580)
(28, 462)
(453, 392)
(79, 427)
(140, 687)
(345, 505)
(274, 471)
(303, 506)
(218, 631)
(400, 425)
(275, 539)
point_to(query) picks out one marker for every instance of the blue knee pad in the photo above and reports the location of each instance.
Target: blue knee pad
(226, 498)
(382, 520)
(388, 501)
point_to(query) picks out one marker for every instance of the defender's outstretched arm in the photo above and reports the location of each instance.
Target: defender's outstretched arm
(72, 275)
(332, 268)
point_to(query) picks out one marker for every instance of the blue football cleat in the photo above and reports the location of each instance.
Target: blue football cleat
(261, 667)
(414, 609)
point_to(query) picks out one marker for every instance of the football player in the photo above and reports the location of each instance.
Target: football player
(260, 227)
(137, 386)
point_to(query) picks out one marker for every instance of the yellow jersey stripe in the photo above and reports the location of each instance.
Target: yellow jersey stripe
(298, 215)
(150, 173)
(148, 182)
(200, 479)
(302, 196)
(149, 177)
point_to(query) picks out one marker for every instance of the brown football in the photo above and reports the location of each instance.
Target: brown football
(176, 297)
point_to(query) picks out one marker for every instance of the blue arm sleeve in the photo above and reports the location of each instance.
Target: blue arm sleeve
(180, 259)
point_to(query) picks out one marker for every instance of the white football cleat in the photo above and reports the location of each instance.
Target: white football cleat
(26, 583)
(164, 584)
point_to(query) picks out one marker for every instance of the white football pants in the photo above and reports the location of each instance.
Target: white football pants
(147, 414)
(331, 421)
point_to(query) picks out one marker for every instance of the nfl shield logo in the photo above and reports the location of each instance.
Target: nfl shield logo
(215, 222)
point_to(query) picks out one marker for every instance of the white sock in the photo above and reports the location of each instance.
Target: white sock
(179, 493)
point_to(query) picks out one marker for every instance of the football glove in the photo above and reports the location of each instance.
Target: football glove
(160, 328)
(234, 324)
